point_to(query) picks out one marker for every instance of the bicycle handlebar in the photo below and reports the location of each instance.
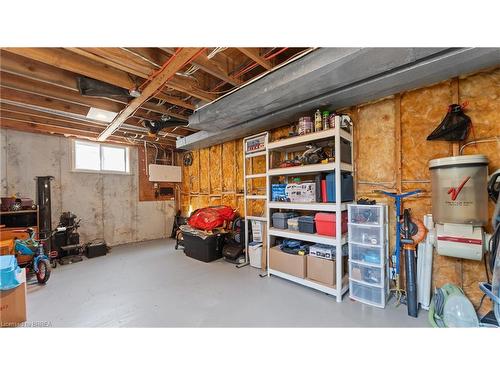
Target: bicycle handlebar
(402, 195)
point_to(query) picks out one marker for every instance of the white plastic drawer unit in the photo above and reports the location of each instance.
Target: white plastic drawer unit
(372, 215)
(366, 235)
(372, 275)
(370, 295)
(367, 254)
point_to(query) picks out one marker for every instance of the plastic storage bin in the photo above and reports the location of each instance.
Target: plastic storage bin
(365, 235)
(306, 224)
(371, 295)
(10, 272)
(255, 254)
(326, 223)
(280, 219)
(293, 223)
(367, 254)
(367, 274)
(347, 188)
(322, 251)
(206, 250)
(326, 251)
(366, 215)
(278, 192)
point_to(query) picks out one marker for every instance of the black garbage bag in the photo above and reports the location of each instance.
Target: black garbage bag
(454, 127)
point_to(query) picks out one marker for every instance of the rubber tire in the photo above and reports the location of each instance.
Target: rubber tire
(43, 263)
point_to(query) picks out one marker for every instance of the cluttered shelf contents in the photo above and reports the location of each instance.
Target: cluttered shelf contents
(310, 183)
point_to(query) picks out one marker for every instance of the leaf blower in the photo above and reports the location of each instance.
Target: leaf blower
(413, 231)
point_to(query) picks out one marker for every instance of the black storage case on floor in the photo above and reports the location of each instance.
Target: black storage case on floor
(206, 250)
(96, 249)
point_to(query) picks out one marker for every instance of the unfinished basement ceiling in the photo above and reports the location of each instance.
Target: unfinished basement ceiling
(329, 78)
(39, 91)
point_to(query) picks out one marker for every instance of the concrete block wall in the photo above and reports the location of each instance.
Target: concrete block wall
(108, 204)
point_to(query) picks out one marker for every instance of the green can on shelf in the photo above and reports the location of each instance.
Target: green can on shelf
(325, 120)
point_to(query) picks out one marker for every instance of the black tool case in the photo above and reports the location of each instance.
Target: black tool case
(96, 249)
(206, 250)
(307, 224)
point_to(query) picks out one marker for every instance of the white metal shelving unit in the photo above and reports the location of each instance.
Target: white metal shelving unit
(295, 144)
(246, 196)
(368, 253)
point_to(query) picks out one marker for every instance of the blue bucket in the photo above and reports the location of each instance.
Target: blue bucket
(10, 272)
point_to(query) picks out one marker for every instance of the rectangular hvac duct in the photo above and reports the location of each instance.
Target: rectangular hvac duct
(329, 78)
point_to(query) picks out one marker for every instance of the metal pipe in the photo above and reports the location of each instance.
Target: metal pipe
(146, 158)
(481, 140)
(44, 210)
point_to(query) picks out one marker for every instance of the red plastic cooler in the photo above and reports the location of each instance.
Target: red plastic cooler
(325, 223)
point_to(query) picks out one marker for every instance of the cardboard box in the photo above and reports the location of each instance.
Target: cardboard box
(291, 264)
(13, 304)
(321, 270)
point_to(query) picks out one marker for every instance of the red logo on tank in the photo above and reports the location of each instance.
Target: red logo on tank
(455, 191)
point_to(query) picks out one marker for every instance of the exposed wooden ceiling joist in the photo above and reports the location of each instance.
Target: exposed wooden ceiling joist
(44, 102)
(212, 67)
(9, 80)
(73, 113)
(48, 82)
(67, 60)
(40, 84)
(175, 101)
(176, 63)
(124, 59)
(35, 70)
(253, 53)
(60, 102)
(56, 119)
(41, 128)
(187, 85)
(50, 117)
(16, 120)
(115, 57)
(88, 53)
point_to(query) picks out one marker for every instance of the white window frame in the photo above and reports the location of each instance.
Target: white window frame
(101, 171)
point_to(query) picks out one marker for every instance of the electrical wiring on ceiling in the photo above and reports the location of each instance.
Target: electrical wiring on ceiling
(193, 69)
(215, 51)
(141, 57)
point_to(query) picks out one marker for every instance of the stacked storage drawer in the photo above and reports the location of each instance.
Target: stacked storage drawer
(368, 254)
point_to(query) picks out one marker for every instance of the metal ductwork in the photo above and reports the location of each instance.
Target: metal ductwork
(329, 78)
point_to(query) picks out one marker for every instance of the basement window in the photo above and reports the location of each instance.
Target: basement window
(100, 158)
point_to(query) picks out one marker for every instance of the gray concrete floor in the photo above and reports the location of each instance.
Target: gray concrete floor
(150, 284)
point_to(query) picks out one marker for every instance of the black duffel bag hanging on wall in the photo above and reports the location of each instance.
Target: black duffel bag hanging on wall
(454, 127)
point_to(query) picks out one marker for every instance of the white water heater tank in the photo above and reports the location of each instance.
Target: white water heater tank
(459, 190)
